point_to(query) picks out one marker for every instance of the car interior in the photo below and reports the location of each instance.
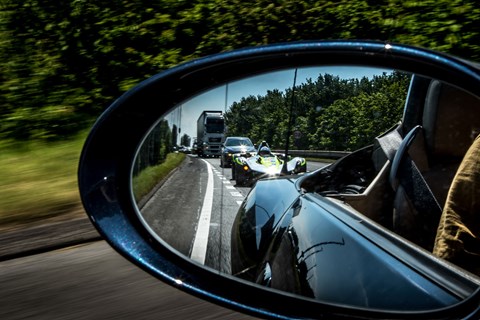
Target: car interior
(401, 181)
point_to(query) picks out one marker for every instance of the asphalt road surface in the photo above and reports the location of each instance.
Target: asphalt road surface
(92, 281)
(174, 213)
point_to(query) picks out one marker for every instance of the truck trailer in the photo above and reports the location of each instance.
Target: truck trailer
(210, 133)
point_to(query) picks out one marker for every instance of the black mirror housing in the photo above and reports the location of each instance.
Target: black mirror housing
(107, 159)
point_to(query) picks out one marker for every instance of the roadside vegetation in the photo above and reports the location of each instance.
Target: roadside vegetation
(38, 179)
(63, 62)
(353, 112)
(147, 179)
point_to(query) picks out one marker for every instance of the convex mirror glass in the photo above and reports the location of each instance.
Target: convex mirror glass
(338, 108)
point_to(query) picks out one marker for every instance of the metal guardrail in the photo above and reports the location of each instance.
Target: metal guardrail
(315, 153)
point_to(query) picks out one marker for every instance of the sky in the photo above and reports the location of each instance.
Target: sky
(220, 98)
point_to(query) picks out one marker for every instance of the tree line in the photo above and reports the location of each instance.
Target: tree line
(329, 113)
(155, 147)
(63, 62)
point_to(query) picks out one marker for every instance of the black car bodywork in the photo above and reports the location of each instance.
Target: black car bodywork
(341, 231)
(320, 250)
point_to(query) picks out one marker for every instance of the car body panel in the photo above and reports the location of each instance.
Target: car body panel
(254, 225)
(309, 251)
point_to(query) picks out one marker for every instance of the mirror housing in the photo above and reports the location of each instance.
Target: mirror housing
(107, 159)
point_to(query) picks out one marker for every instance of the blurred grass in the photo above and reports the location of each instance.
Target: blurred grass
(38, 179)
(148, 178)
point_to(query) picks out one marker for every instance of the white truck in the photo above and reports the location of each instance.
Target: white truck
(210, 133)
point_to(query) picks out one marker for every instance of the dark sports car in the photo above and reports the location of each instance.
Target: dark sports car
(235, 145)
(371, 215)
(247, 168)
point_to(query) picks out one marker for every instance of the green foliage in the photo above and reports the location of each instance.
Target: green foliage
(62, 63)
(38, 179)
(174, 135)
(185, 140)
(331, 113)
(146, 180)
(155, 148)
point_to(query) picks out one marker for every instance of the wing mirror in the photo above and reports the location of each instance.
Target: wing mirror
(309, 242)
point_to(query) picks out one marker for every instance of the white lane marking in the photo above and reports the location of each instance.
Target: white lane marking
(236, 194)
(230, 187)
(199, 250)
(239, 202)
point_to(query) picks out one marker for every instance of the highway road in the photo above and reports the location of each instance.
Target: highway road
(91, 281)
(200, 191)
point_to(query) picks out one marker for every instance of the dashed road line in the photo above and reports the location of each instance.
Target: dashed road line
(228, 185)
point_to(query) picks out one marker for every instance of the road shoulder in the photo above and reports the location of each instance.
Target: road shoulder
(49, 234)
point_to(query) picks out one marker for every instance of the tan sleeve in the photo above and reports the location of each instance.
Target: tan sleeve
(458, 234)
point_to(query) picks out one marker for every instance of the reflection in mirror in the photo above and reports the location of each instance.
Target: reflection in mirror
(201, 180)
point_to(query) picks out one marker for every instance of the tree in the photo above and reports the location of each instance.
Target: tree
(185, 140)
(331, 113)
(63, 63)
